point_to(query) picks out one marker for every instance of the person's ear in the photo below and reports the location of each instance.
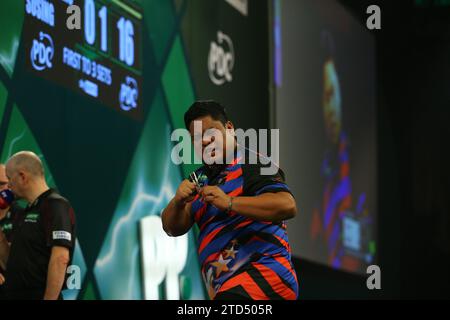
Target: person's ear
(229, 125)
(22, 176)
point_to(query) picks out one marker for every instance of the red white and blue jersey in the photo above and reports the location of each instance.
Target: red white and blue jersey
(241, 257)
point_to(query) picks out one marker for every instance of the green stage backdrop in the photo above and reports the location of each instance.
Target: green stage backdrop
(98, 105)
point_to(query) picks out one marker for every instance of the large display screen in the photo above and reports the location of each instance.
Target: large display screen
(100, 59)
(326, 115)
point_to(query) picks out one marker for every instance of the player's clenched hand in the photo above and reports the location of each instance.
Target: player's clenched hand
(215, 196)
(185, 192)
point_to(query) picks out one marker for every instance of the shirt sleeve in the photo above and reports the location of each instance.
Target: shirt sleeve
(256, 184)
(60, 224)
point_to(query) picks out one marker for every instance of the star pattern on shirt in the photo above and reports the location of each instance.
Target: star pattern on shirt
(209, 283)
(231, 253)
(221, 265)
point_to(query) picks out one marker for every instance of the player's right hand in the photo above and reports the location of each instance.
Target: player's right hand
(185, 192)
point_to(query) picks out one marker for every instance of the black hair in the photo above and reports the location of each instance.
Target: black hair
(205, 108)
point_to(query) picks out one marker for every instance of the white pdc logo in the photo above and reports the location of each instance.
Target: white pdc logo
(42, 51)
(163, 259)
(221, 59)
(128, 95)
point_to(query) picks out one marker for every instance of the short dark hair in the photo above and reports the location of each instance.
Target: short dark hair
(205, 108)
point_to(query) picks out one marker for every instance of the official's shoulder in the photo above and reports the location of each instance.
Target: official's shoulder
(55, 199)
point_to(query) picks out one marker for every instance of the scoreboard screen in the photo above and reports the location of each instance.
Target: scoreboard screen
(101, 59)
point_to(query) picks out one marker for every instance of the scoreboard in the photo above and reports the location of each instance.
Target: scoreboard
(101, 60)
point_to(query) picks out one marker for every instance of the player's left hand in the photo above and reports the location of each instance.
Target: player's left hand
(215, 196)
(2, 279)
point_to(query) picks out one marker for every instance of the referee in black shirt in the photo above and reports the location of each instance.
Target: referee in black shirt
(43, 235)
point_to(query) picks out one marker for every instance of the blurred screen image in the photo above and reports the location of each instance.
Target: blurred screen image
(326, 116)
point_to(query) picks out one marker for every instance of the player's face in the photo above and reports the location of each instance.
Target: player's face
(3, 178)
(214, 137)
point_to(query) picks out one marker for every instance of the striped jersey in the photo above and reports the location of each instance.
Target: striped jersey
(241, 257)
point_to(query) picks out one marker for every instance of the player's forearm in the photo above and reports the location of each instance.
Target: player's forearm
(176, 220)
(56, 274)
(272, 207)
(4, 250)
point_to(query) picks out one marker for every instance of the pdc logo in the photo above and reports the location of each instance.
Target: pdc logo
(221, 59)
(42, 51)
(128, 95)
(163, 259)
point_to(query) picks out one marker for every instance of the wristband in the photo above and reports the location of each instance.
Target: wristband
(230, 205)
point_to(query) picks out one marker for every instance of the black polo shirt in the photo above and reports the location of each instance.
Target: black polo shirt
(48, 222)
(6, 224)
